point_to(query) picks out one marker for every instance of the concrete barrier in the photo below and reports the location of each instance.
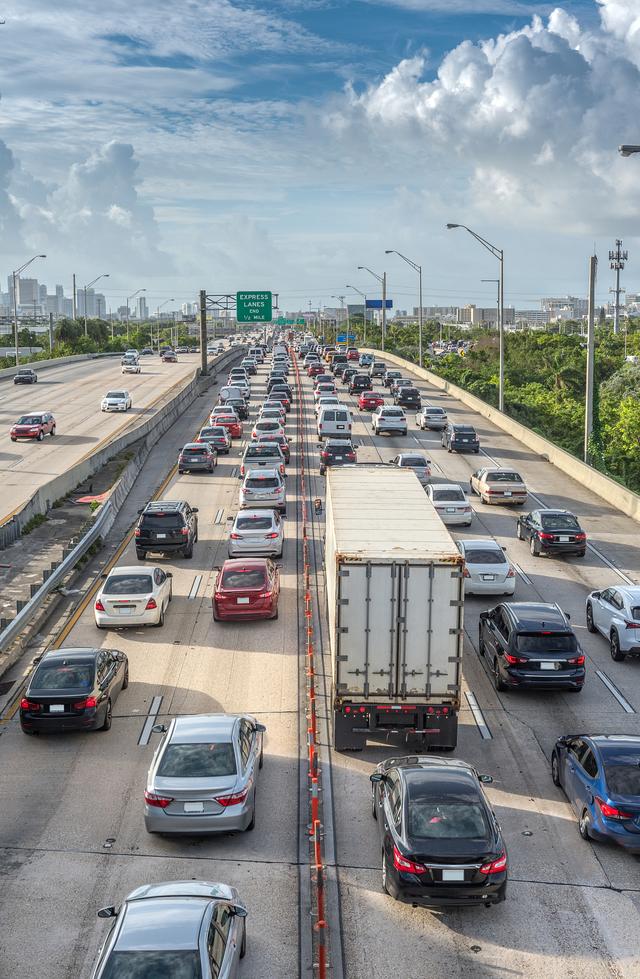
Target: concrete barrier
(620, 497)
(7, 373)
(155, 426)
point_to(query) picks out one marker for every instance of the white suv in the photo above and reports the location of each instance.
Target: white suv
(389, 418)
(615, 614)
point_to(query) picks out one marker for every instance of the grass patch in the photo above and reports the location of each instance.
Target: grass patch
(31, 524)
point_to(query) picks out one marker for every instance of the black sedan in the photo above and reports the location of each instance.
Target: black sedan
(336, 452)
(407, 397)
(25, 376)
(552, 532)
(441, 844)
(74, 690)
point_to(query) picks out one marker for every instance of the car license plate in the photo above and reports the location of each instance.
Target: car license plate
(339, 426)
(547, 666)
(161, 536)
(242, 601)
(56, 708)
(450, 509)
(124, 609)
(338, 458)
(194, 807)
(563, 540)
(507, 493)
(488, 577)
(452, 875)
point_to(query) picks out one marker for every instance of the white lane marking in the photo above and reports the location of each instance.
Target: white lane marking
(218, 516)
(525, 577)
(478, 716)
(605, 560)
(234, 471)
(494, 461)
(145, 734)
(197, 581)
(613, 690)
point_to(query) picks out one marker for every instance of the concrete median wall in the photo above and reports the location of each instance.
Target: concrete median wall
(8, 373)
(151, 430)
(613, 493)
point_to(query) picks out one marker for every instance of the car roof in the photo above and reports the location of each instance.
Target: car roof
(449, 486)
(532, 615)
(196, 728)
(72, 652)
(264, 473)
(256, 513)
(160, 506)
(629, 591)
(470, 545)
(162, 923)
(499, 469)
(130, 569)
(193, 445)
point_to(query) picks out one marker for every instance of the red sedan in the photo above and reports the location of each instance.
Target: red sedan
(232, 424)
(370, 400)
(353, 353)
(33, 426)
(246, 588)
(315, 368)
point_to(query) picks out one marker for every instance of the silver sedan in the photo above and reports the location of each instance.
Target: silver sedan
(203, 775)
(451, 503)
(259, 532)
(487, 569)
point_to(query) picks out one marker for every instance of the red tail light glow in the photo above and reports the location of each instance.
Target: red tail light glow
(581, 536)
(465, 573)
(543, 536)
(232, 800)
(235, 536)
(99, 607)
(271, 536)
(577, 661)
(29, 705)
(151, 604)
(513, 659)
(610, 812)
(495, 866)
(631, 625)
(184, 531)
(406, 866)
(137, 532)
(87, 702)
(511, 573)
(157, 801)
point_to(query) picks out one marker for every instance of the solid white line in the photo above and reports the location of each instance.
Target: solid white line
(478, 716)
(609, 564)
(494, 461)
(525, 577)
(613, 690)
(150, 721)
(197, 581)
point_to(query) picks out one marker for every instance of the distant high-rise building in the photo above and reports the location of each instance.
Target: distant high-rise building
(101, 305)
(142, 310)
(566, 307)
(28, 291)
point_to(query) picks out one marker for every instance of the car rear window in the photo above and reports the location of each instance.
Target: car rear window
(434, 411)
(250, 578)
(559, 521)
(464, 430)
(58, 676)
(193, 450)
(262, 482)
(413, 461)
(623, 779)
(429, 819)
(254, 523)
(536, 642)
(448, 496)
(260, 452)
(198, 760)
(115, 394)
(216, 430)
(504, 477)
(182, 964)
(128, 584)
(393, 413)
(485, 555)
(162, 521)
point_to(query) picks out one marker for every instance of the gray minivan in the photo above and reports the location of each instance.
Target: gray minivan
(334, 420)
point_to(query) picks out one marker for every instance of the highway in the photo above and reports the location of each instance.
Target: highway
(71, 825)
(73, 392)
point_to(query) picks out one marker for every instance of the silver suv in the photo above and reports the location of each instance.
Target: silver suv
(265, 488)
(389, 418)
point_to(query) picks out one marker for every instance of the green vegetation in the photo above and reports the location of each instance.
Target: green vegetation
(35, 521)
(545, 384)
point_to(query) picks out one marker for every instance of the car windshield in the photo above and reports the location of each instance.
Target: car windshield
(484, 555)
(623, 778)
(63, 676)
(253, 523)
(261, 452)
(494, 477)
(128, 584)
(115, 394)
(198, 760)
(162, 521)
(156, 964)
(29, 419)
(430, 819)
(244, 578)
(414, 461)
(559, 521)
(262, 482)
(536, 642)
(448, 495)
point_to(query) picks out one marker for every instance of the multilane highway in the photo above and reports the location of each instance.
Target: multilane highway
(73, 392)
(71, 825)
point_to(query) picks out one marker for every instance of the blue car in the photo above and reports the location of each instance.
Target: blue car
(600, 775)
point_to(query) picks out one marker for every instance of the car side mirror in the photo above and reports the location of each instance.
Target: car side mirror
(595, 594)
(121, 657)
(105, 574)
(486, 779)
(567, 615)
(484, 616)
(195, 509)
(169, 574)
(377, 777)
(503, 548)
(159, 729)
(108, 912)
(239, 911)
(259, 728)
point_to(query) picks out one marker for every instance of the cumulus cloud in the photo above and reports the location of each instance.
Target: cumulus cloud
(10, 222)
(529, 121)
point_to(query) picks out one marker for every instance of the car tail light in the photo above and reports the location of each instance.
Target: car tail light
(151, 604)
(513, 659)
(235, 536)
(271, 536)
(232, 800)
(351, 456)
(137, 532)
(466, 509)
(545, 536)
(99, 607)
(29, 705)
(495, 866)
(511, 573)
(157, 801)
(87, 702)
(581, 536)
(631, 625)
(184, 531)
(610, 812)
(577, 661)
(265, 594)
(406, 866)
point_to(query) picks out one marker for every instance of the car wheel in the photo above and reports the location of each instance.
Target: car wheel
(614, 647)
(53, 431)
(40, 435)
(590, 626)
(584, 825)
(481, 646)
(385, 881)
(13, 439)
(534, 547)
(160, 621)
(141, 555)
(555, 770)
(276, 615)
(519, 533)
(580, 553)
(252, 825)
(243, 943)
(471, 489)
(374, 808)
(498, 682)
(125, 682)
(188, 552)
(108, 717)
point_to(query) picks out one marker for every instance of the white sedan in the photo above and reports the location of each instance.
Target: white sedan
(116, 401)
(451, 503)
(487, 570)
(133, 597)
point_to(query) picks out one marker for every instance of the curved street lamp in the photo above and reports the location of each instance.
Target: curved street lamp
(417, 268)
(105, 275)
(15, 275)
(382, 279)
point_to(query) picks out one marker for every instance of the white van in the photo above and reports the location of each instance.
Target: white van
(334, 420)
(257, 353)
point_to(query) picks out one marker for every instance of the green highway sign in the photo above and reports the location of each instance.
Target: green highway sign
(254, 307)
(282, 321)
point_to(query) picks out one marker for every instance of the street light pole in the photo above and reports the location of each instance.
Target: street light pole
(105, 275)
(382, 279)
(499, 254)
(129, 298)
(497, 281)
(364, 311)
(417, 268)
(158, 308)
(15, 274)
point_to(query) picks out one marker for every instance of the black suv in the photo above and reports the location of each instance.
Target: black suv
(167, 527)
(359, 382)
(339, 361)
(336, 452)
(460, 438)
(408, 397)
(528, 644)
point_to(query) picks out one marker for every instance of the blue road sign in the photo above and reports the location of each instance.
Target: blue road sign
(377, 303)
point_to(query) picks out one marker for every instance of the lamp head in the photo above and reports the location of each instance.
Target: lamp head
(42, 256)
(450, 226)
(627, 149)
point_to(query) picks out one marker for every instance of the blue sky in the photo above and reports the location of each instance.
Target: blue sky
(227, 144)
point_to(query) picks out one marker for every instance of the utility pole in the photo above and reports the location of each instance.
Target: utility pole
(617, 258)
(384, 307)
(75, 298)
(50, 332)
(588, 413)
(203, 331)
